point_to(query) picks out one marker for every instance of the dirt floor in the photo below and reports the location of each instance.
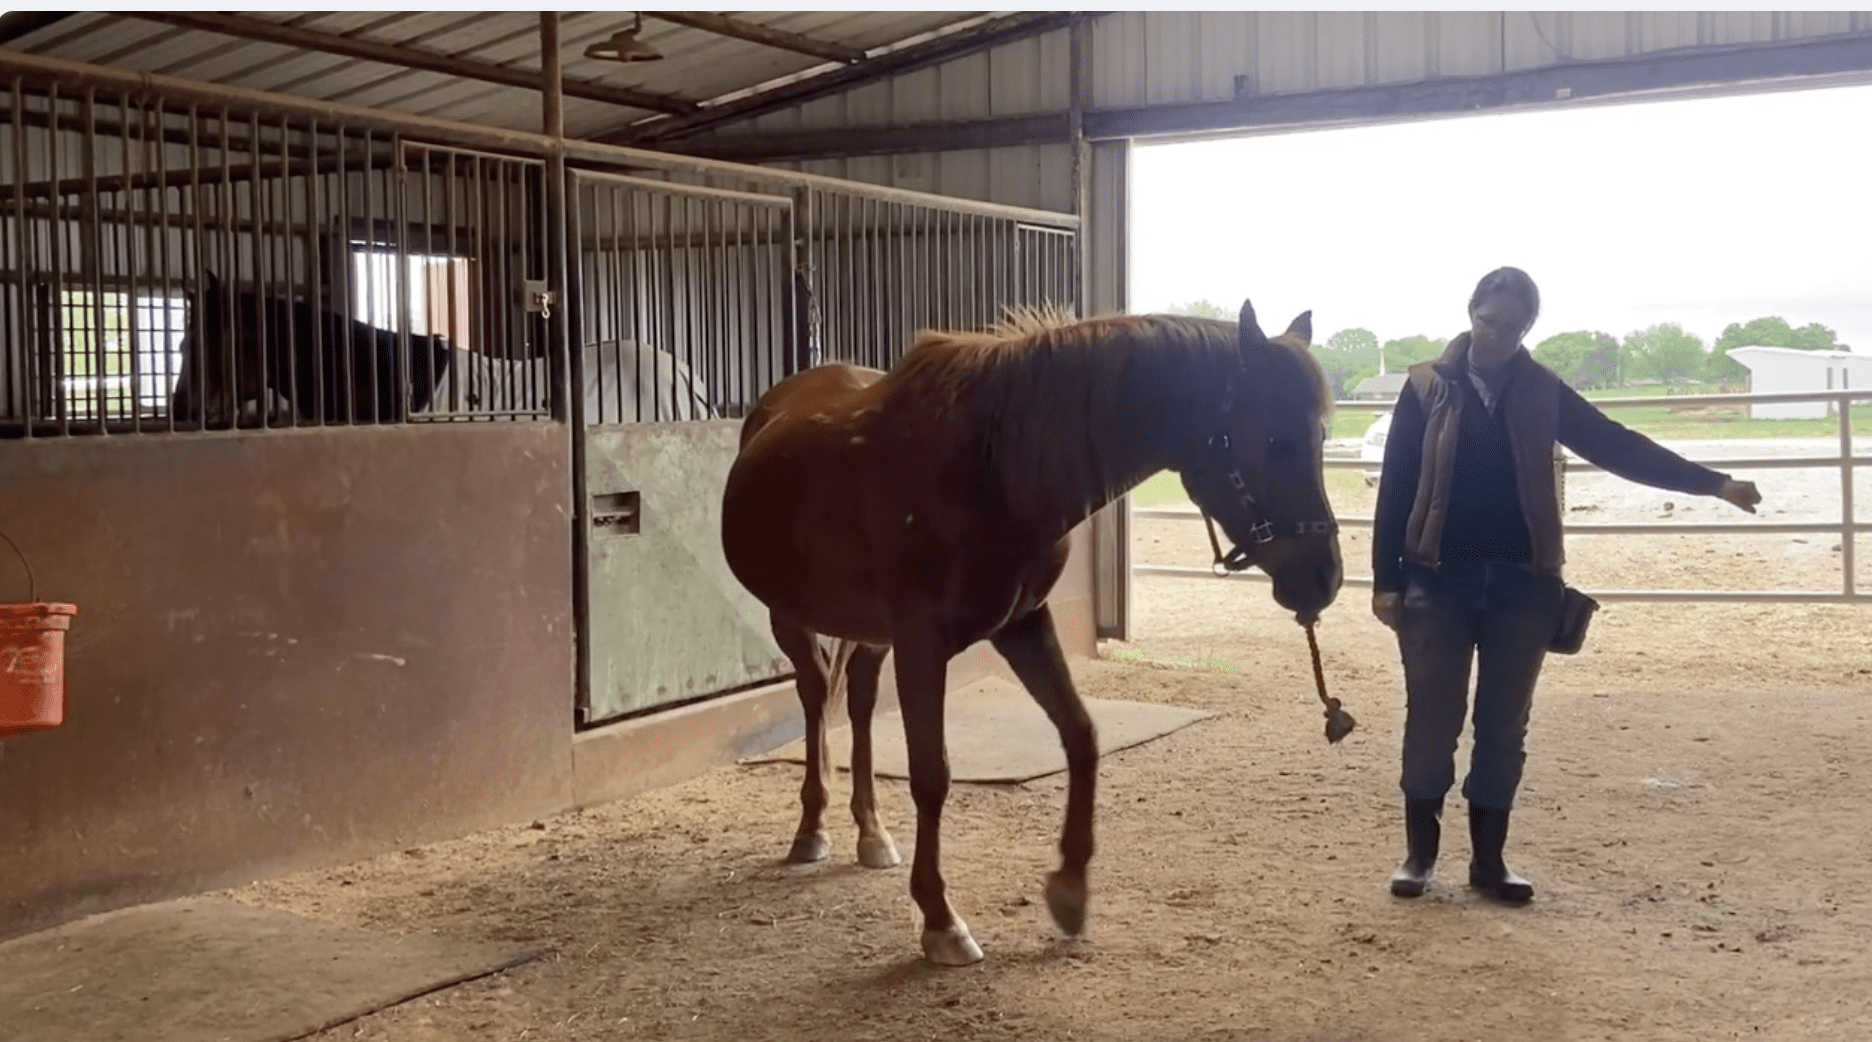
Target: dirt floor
(1694, 818)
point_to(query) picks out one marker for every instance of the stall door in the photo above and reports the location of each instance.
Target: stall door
(681, 317)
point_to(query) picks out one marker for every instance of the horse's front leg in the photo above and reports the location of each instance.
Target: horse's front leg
(875, 847)
(1032, 648)
(922, 667)
(801, 646)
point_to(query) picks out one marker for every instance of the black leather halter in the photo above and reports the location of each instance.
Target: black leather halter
(1260, 527)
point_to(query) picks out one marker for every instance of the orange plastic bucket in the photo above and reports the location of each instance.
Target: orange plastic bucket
(32, 659)
(32, 666)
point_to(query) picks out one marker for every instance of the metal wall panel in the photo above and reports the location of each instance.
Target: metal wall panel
(1166, 58)
(1400, 45)
(290, 651)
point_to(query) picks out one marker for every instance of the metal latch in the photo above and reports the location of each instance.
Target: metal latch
(539, 299)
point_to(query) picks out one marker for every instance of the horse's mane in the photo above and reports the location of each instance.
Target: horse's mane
(1045, 389)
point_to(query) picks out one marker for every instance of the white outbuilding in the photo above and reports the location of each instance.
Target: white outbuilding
(1783, 370)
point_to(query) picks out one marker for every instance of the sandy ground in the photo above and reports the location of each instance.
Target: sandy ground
(1694, 817)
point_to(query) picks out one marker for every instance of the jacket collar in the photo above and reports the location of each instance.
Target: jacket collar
(1453, 363)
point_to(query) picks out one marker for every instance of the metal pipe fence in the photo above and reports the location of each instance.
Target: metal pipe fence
(1847, 527)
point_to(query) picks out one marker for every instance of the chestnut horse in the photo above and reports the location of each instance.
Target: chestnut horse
(928, 508)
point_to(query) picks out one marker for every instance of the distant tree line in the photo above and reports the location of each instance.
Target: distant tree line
(1588, 360)
(1665, 354)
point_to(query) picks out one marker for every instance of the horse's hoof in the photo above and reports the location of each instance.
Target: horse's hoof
(808, 849)
(1066, 901)
(951, 947)
(877, 851)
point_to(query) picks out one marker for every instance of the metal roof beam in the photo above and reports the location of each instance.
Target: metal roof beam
(848, 142)
(723, 25)
(989, 34)
(406, 57)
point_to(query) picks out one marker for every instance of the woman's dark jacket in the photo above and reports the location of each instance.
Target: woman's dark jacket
(1465, 482)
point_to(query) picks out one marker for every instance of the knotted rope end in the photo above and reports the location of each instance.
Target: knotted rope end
(1339, 723)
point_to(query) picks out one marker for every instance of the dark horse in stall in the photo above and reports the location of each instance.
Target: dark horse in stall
(928, 508)
(307, 361)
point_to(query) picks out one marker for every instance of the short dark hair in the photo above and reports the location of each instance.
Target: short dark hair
(1510, 281)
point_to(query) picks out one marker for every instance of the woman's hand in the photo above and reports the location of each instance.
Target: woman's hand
(1741, 493)
(1385, 606)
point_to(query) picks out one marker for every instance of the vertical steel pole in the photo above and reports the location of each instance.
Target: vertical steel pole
(567, 403)
(799, 277)
(1848, 520)
(1081, 157)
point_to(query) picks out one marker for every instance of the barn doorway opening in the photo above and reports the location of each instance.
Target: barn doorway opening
(1661, 235)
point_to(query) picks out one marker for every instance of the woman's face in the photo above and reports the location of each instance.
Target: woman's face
(1496, 325)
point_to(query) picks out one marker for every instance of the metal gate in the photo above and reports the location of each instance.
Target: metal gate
(681, 319)
(1846, 529)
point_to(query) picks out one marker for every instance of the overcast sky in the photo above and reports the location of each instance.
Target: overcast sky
(1701, 212)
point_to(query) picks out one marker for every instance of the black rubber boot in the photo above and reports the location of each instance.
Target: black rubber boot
(1423, 831)
(1488, 834)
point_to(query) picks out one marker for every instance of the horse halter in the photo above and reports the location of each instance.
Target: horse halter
(1260, 527)
(1339, 723)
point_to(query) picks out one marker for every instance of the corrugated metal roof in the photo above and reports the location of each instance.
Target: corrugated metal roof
(698, 65)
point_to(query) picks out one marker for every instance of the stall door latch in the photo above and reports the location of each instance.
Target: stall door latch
(539, 299)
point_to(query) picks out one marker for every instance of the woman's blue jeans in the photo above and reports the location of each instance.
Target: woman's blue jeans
(1500, 616)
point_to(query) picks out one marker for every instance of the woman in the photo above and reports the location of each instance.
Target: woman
(1466, 558)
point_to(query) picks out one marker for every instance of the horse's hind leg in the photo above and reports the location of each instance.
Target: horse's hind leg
(1032, 648)
(875, 848)
(812, 681)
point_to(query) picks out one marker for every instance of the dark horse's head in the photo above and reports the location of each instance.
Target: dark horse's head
(1257, 467)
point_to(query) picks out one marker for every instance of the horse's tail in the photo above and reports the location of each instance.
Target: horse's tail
(839, 658)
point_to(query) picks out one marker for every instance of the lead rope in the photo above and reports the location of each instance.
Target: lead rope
(1339, 723)
(1218, 567)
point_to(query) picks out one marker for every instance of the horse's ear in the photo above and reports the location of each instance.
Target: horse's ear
(1249, 330)
(1302, 329)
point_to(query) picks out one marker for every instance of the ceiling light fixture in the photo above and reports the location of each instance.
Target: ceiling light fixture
(624, 46)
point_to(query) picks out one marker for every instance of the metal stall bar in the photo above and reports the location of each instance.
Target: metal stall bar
(681, 262)
(126, 237)
(475, 235)
(24, 252)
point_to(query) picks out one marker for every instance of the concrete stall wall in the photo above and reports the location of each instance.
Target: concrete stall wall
(290, 649)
